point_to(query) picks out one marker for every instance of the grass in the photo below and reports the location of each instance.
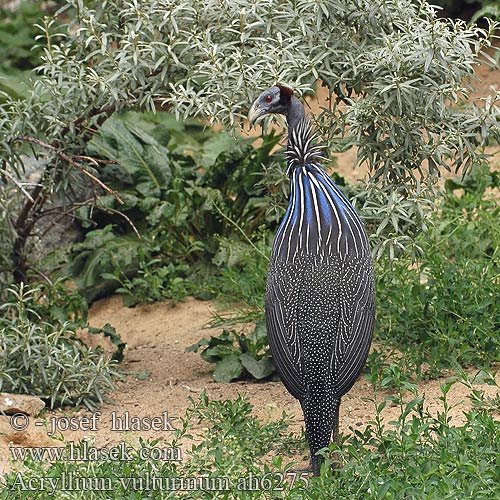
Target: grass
(416, 456)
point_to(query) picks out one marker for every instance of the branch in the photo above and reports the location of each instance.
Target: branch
(73, 163)
(69, 213)
(18, 184)
(93, 112)
(121, 214)
(62, 213)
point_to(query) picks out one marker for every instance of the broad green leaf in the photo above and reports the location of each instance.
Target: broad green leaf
(142, 161)
(102, 253)
(222, 143)
(258, 368)
(228, 369)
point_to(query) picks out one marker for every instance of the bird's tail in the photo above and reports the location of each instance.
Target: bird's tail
(320, 423)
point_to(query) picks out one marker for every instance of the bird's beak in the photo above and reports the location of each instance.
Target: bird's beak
(255, 112)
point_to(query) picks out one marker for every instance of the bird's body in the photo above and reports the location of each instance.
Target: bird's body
(320, 289)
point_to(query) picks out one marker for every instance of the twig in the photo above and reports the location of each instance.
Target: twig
(236, 225)
(72, 162)
(93, 112)
(96, 161)
(74, 206)
(19, 185)
(118, 212)
(66, 211)
(62, 213)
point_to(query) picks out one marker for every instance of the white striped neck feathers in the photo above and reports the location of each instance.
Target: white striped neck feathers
(303, 148)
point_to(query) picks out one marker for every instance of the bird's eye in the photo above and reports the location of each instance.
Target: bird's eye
(268, 98)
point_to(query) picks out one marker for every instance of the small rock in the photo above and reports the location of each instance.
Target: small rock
(5, 427)
(190, 389)
(20, 403)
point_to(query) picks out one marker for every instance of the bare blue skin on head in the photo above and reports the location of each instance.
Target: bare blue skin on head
(278, 100)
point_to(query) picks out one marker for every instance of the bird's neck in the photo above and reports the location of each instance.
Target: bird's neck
(295, 114)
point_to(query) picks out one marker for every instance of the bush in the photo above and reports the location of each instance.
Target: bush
(237, 355)
(190, 196)
(443, 311)
(418, 456)
(40, 353)
(396, 74)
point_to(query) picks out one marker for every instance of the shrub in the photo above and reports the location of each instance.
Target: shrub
(444, 310)
(41, 355)
(189, 195)
(395, 71)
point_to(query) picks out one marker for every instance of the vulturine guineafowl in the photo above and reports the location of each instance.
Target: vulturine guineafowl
(320, 302)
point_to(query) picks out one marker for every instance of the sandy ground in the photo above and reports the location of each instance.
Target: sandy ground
(161, 376)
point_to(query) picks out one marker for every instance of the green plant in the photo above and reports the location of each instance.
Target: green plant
(17, 35)
(396, 73)
(40, 353)
(186, 193)
(235, 455)
(101, 252)
(236, 354)
(237, 440)
(21, 53)
(154, 281)
(241, 271)
(418, 455)
(233, 447)
(489, 9)
(443, 310)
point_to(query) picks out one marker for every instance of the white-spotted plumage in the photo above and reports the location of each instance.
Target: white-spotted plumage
(320, 291)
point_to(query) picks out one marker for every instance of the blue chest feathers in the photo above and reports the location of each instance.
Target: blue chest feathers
(319, 220)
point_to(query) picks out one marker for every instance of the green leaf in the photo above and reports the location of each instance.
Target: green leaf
(258, 368)
(222, 143)
(228, 369)
(110, 332)
(142, 161)
(194, 347)
(260, 331)
(14, 85)
(100, 255)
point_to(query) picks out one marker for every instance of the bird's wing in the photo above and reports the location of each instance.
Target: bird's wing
(283, 340)
(341, 325)
(354, 334)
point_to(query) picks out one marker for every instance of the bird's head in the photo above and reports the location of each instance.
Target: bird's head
(275, 99)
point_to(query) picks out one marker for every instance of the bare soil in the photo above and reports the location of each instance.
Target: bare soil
(162, 376)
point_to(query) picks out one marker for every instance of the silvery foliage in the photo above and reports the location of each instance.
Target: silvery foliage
(396, 73)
